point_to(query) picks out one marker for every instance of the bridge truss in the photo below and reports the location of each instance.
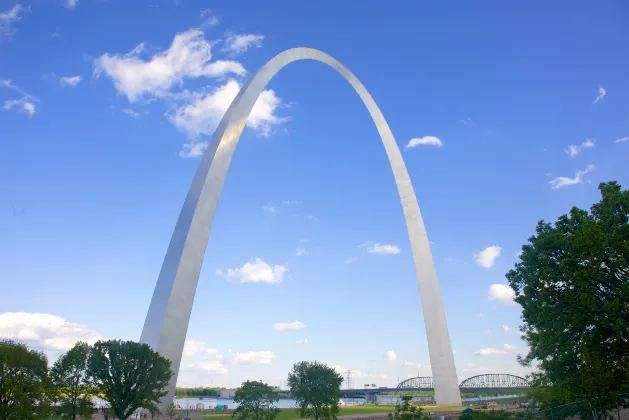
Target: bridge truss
(487, 381)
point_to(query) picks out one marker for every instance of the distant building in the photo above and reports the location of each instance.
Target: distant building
(226, 393)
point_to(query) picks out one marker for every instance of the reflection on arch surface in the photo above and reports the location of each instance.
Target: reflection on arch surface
(169, 312)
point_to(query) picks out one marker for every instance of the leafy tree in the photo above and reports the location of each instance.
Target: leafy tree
(316, 388)
(130, 375)
(25, 388)
(69, 375)
(407, 411)
(572, 282)
(171, 410)
(256, 401)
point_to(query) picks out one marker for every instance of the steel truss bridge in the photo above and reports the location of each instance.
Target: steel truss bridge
(478, 383)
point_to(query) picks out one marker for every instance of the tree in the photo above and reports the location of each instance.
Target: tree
(406, 411)
(69, 375)
(256, 401)
(25, 387)
(130, 375)
(572, 282)
(316, 388)
(171, 410)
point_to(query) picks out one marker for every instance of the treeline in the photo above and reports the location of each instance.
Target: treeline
(198, 392)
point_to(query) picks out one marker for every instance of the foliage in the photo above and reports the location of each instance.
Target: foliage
(572, 282)
(130, 375)
(69, 375)
(496, 415)
(316, 388)
(25, 387)
(407, 411)
(256, 401)
(171, 410)
(197, 392)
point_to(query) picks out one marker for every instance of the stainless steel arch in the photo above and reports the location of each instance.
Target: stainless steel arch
(169, 312)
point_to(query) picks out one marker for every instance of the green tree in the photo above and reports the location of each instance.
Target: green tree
(407, 411)
(69, 375)
(171, 410)
(256, 401)
(572, 282)
(316, 388)
(25, 387)
(130, 375)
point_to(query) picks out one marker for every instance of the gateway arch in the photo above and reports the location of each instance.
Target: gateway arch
(167, 320)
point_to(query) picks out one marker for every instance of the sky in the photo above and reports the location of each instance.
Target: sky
(506, 113)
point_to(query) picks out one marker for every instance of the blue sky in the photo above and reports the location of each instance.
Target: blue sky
(106, 106)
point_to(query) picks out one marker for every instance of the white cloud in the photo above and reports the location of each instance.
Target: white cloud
(351, 260)
(424, 141)
(383, 249)
(253, 358)
(364, 244)
(70, 80)
(131, 113)
(487, 331)
(574, 150)
(72, 3)
(269, 208)
(202, 113)
(188, 56)
(239, 43)
(288, 326)
(257, 271)
(489, 351)
(501, 293)
(212, 367)
(22, 105)
(564, 181)
(450, 259)
(487, 257)
(193, 347)
(622, 139)
(506, 328)
(300, 252)
(46, 331)
(304, 341)
(209, 19)
(601, 94)
(289, 202)
(9, 17)
(509, 347)
(390, 355)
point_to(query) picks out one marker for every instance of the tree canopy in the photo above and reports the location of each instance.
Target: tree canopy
(25, 387)
(256, 401)
(130, 375)
(69, 375)
(572, 282)
(316, 388)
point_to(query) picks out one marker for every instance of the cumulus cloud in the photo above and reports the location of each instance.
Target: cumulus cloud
(304, 341)
(71, 3)
(564, 181)
(424, 141)
(489, 351)
(390, 355)
(622, 139)
(239, 43)
(202, 113)
(487, 257)
(22, 105)
(383, 249)
(209, 18)
(8, 18)
(131, 113)
(506, 328)
(574, 150)
(257, 271)
(509, 347)
(501, 293)
(269, 208)
(70, 80)
(192, 348)
(45, 331)
(189, 56)
(288, 326)
(601, 94)
(252, 358)
(300, 252)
